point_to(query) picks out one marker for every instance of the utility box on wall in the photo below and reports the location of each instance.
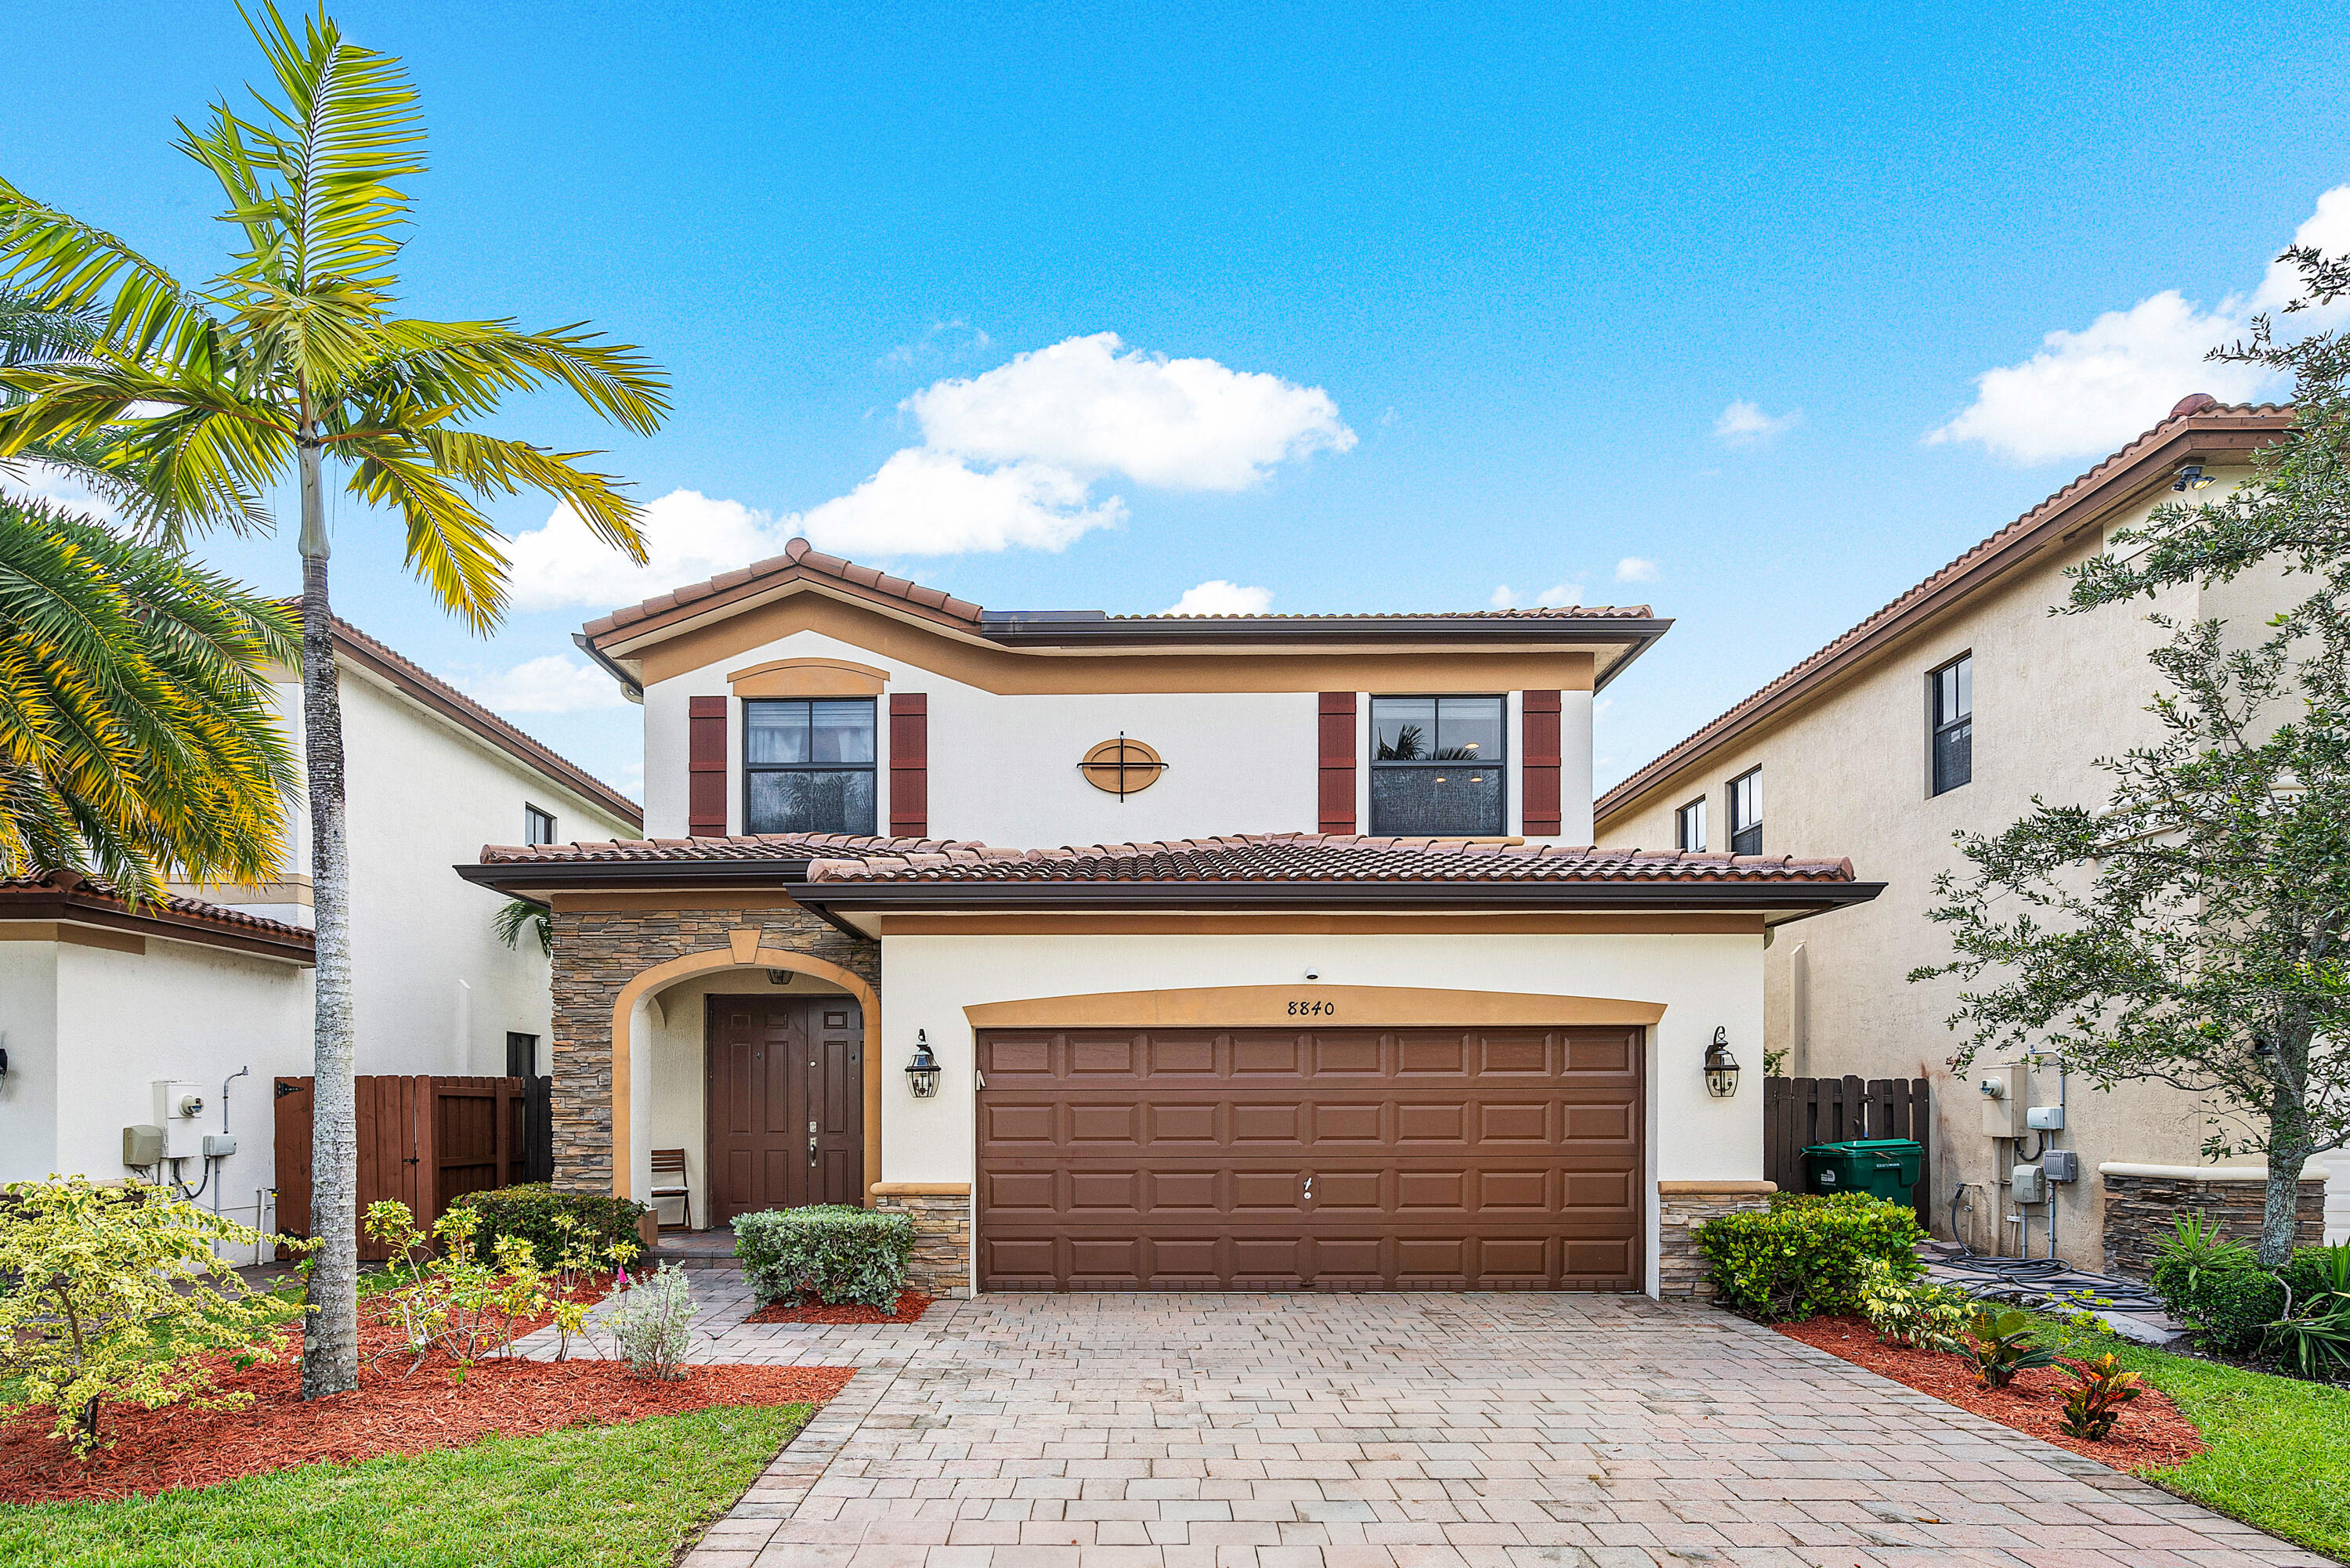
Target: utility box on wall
(180, 1113)
(2003, 1097)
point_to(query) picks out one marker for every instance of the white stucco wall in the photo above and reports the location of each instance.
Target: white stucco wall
(1703, 982)
(120, 1020)
(433, 989)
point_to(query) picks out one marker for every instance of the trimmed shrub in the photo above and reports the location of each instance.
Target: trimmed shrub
(831, 1251)
(1809, 1255)
(2219, 1288)
(530, 1212)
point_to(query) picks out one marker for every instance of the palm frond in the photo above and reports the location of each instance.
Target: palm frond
(520, 915)
(67, 266)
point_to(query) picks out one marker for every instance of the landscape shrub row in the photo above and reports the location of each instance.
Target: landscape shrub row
(1808, 1256)
(2296, 1317)
(831, 1251)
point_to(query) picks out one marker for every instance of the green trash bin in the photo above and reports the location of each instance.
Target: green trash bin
(1881, 1166)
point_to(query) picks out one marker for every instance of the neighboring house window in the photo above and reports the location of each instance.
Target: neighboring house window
(537, 826)
(1746, 813)
(1436, 766)
(807, 766)
(521, 1054)
(1954, 722)
(1689, 825)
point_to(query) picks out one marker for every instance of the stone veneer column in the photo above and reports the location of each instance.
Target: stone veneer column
(1682, 1207)
(2143, 1203)
(941, 1215)
(598, 953)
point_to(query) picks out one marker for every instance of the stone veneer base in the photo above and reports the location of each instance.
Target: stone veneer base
(2141, 1212)
(941, 1214)
(1682, 1207)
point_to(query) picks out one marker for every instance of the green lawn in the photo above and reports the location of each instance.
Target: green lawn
(2279, 1448)
(607, 1496)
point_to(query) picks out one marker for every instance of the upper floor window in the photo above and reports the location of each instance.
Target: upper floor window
(1436, 766)
(1746, 813)
(807, 765)
(1688, 826)
(537, 826)
(1953, 742)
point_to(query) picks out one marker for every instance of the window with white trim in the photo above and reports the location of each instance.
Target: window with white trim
(1437, 766)
(537, 826)
(1746, 813)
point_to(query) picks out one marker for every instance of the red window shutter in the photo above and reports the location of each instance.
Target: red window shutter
(1539, 762)
(909, 764)
(705, 767)
(1337, 775)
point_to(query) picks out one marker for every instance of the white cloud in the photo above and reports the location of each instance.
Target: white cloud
(690, 537)
(930, 502)
(1218, 597)
(1173, 424)
(548, 684)
(1558, 595)
(2088, 392)
(1745, 424)
(1009, 460)
(1636, 569)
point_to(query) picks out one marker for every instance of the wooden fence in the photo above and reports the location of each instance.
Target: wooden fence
(1800, 1112)
(423, 1141)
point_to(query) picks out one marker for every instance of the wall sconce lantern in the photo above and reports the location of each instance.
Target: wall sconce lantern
(1721, 1067)
(923, 1072)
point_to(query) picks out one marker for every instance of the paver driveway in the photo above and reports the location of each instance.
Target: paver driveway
(1406, 1431)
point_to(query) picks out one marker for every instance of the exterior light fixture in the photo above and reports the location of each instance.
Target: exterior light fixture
(923, 1072)
(2192, 477)
(1721, 1067)
(779, 977)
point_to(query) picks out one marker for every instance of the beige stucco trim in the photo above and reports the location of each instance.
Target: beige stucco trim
(72, 934)
(1716, 1189)
(808, 678)
(921, 1189)
(742, 951)
(1314, 925)
(294, 888)
(1031, 672)
(1334, 1006)
(2314, 1172)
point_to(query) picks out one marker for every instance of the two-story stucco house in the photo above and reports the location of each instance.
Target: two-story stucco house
(1949, 711)
(98, 1002)
(1333, 994)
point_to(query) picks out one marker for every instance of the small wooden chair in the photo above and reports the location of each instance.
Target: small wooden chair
(671, 1162)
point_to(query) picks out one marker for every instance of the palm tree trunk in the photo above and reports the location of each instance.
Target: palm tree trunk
(330, 1335)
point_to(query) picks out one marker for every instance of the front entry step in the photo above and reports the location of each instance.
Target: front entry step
(694, 1250)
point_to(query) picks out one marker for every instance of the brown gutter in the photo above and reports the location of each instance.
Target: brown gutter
(2148, 462)
(270, 939)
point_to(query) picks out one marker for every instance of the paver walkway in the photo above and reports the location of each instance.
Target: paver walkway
(1404, 1431)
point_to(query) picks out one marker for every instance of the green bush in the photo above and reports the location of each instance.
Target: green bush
(836, 1253)
(2219, 1288)
(531, 1211)
(1808, 1255)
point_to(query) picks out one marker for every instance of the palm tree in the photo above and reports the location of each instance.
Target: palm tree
(138, 733)
(292, 357)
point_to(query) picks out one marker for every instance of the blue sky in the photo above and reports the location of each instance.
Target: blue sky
(1459, 300)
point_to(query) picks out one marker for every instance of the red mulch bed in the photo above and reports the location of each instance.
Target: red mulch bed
(2152, 1434)
(388, 1413)
(911, 1305)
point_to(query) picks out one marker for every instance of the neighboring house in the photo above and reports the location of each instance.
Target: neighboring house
(1337, 999)
(98, 1001)
(1947, 711)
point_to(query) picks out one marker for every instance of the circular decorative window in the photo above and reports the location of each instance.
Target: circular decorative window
(1121, 767)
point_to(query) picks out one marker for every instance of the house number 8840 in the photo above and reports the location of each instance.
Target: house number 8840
(1313, 1010)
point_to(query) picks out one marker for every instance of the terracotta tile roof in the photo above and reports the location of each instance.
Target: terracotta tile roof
(2197, 413)
(446, 699)
(802, 559)
(799, 554)
(93, 891)
(1246, 857)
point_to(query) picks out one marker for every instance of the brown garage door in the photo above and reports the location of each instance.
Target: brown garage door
(1347, 1159)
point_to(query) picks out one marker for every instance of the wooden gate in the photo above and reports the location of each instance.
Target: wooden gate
(423, 1141)
(1800, 1112)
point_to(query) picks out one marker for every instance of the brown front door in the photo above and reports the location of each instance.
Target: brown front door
(1347, 1159)
(785, 1118)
